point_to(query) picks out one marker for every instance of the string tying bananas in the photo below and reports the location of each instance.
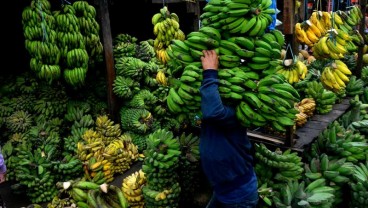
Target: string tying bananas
(166, 27)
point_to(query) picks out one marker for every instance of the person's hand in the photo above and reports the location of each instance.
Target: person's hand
(210, 60)
(2, 177)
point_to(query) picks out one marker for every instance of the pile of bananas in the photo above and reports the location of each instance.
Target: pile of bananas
(89, 194)
(132, 188)
(294, 69)
(315, 194)
(359, 184)
(336, 76)
(336, 172)
(107, 130)
(355, 86)
(166, 27)
(246, 17)
(189, 167)
(159, 166)
(332, 45)
(338, 143)
(41, 40)
(70, 166)
(122, 152)
(306, 109)
(34, 171)
(19, 121)
(285, 165)
(324, 99)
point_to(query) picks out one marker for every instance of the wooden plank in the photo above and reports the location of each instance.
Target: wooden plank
(109, 59)
(341, 107)
(264, 138)
(318, 125)
(319, 118)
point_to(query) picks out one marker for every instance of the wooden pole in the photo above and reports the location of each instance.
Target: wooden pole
(289, 24)
(109, 58)
(359, 67)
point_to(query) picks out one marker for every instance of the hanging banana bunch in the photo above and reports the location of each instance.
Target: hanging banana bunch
(40, 40)
(166, 27)
(332, 45)
(89, 28)
(294, 70)
(336, 76)
(74, 56)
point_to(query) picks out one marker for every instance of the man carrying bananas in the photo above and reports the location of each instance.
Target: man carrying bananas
(225, 149)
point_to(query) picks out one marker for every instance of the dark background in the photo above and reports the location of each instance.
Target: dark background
(131, 17)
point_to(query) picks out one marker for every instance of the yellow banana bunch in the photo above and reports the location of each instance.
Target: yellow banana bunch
(307, 106)
(330, 46)
(161, 78)
(132, 189)
(302, 36)
(166, 27)
(317, 20)
(293, 70)
(301, 119)
(335, 76)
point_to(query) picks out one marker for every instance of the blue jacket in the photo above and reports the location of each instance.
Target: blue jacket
(225, 150)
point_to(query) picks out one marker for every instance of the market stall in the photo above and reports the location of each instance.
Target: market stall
(105, 114)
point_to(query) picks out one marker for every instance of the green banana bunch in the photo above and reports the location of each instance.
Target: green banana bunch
(359, 185)
(286, 165)
(355, 86)
(300, 194)
(325, 99)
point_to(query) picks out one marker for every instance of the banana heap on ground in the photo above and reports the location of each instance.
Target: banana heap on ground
(336, 172)
(301, 194)
(122, 152)
(74, 57)
(160, 168)
(189, 167)
(356, 119)
(89, 194)
(70, 166)
(247, 17)
(338, 142)
(90, 152)
(285, 166)
(166, 27)
(359, 185)
(294, 70)
(41, 40)
(333, 45)
(324, 99)
(34, 171)
(335, 76)
(132, 188)
(355, 86)
(306, 108)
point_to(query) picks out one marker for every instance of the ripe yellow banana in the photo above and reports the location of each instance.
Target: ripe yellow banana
(341, 66)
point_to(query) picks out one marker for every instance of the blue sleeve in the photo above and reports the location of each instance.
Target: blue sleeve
(211, 104)
(272, 26)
